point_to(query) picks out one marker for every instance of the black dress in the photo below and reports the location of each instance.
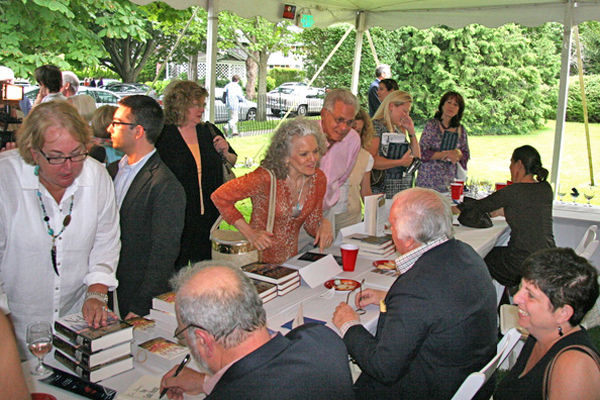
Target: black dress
(530, 386)
(195, 240)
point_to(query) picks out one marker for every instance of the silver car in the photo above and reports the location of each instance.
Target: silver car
(247, 111)
(102, 97)
(302, 100)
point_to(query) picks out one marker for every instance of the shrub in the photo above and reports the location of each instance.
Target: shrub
(282, 75)
(574, 103)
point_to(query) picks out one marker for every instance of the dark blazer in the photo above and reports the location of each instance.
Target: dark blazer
(152, 216)
(440, 325)
(374, 101)
(195, 240)
(310, 362)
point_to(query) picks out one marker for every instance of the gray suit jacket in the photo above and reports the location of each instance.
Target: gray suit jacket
(152, 216)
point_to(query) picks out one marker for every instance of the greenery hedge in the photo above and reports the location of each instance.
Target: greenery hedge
(574, 104)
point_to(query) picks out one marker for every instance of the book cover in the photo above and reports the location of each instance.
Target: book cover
(75, 328)
(270, 273)
(375, 215)
(263, 288)
(161, 349)
(99, 372)
(369, 241)
(288, 289)
(164, 302)
(74, 384)
(83, 356)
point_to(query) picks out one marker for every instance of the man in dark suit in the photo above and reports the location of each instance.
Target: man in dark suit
(152, 206)
(222, 319)
(381, 72)
(437, 322)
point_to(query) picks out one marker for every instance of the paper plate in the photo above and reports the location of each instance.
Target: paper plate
(342, 285)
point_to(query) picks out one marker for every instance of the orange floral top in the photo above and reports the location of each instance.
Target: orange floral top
(286, 228)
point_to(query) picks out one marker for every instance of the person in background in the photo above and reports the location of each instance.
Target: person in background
(152, 206)
(557, 289)
(386, 86)
(84, 103)
(49, 79)
(222, 319)
(393, 118)
(293, 157)
(59, 223)
(12, 380)
(7, 75)
(101, 120)
(444, 145)
(194, 151)
(382, 72)
(438, 321)
(527, 206)
(358, 184)
(234, 96)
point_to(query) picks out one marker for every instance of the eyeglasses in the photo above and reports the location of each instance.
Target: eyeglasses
(62, 160)
(179, 332)
(341, 121)
(113, 123)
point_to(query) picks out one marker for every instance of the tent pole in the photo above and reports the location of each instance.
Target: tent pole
(563, 88)
(211, 57)
(372, 46)
(360, 30)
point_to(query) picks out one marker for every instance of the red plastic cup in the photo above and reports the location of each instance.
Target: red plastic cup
(42, 396)
(349, 254)
(501, 185)
(459, 181)
(457, 190)
(509, 183)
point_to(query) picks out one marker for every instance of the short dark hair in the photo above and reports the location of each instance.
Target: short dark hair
(565, 278)
(390, 84)
(50, 76)
(147, 113)
(531, 160)
(235, 78)
(455, 121)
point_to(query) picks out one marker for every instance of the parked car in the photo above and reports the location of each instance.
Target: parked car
(247, 111)
(302, 100)
(128, 89)
(102, 97)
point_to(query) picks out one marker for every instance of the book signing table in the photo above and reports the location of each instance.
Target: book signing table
(316, 303)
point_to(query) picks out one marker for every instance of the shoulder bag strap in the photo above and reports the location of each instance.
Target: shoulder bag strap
(550, 366)
(272, 197)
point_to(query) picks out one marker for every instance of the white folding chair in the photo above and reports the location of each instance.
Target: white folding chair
(475, 381)
(588, 237)
(590, 249)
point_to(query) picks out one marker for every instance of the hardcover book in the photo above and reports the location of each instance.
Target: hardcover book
(369, 241)
(161, 352)
(270, 273)
(264, 289)
(75, 328)
(164, 302)
(288, 289)
(287, 284)
(74, 384)
(162, 316)
(99, 372)
(83, 356)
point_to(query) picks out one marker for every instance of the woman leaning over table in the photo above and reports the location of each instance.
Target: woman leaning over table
(527, 206)
(293, 157)
(59, 224)
(194, 152)
(557, 290)
(440, 165)
(393, 116)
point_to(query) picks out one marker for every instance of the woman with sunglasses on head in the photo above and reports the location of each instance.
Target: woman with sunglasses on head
(59, 224)
(394, 130)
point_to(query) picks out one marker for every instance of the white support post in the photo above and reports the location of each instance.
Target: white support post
(360, 30)
(563, 88)
(211, 57)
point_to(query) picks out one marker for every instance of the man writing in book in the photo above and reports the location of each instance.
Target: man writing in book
(437, 322)
(224, 323)
(151, 205)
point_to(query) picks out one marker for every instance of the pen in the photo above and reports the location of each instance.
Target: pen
(177, 371)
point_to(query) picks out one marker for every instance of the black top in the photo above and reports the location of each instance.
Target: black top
(195, 240)
(530, 386)
(528, 212)
(374, 101)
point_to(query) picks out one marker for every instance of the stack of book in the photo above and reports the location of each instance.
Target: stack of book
(93, 354)
(266, 291)
(286, 279)
(163, 313)
(372, 246)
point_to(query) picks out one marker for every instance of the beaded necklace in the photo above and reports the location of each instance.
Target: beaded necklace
(50, 231)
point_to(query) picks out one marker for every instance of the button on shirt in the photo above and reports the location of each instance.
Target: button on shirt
(127, 174)
(87, 252)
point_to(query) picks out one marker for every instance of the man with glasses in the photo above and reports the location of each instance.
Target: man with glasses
(222, 318)
(152, 206)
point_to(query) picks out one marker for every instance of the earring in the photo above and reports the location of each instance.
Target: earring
(36, 170)
(560, 332)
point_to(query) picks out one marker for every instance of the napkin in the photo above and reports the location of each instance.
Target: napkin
(328, 295)
(299, 320)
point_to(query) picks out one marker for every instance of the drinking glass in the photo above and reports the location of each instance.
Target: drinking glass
(574, 195)
(589, 194)
(39, 342)
(561, 192)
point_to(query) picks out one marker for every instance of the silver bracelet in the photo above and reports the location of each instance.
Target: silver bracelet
(98, 296)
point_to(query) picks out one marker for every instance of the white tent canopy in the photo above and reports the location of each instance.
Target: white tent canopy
(392, 14)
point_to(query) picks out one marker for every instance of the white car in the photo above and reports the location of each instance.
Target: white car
(102, 97)
(302, 100)
(247, 111)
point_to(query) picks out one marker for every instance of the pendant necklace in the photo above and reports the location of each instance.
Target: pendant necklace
(297, 210)
(444, 126)
(50, 231)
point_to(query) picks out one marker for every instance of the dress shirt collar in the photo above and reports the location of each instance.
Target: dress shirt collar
(406, 261)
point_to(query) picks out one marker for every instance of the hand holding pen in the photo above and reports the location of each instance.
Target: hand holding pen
(178, 384)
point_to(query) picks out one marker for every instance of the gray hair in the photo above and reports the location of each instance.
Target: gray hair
(229, 312)
(281, 144)
(70, 77)
(421, 214)
(381, 69)
(343, 95)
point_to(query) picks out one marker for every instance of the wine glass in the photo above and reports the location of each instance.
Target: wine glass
(574, 195)
(39, 342)
(589, 194)
(561, 192)
(361, 310)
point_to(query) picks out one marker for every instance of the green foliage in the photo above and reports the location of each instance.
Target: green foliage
(590, 40)
(270, 84)
(574, 104)
(282, 75)
(159, 86)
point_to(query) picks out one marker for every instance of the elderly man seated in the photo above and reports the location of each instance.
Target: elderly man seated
(437, 323)
(224, 322)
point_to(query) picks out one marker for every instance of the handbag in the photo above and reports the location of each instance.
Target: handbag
(473, 217)
(550, 366)
(232, 246)
(228, 174)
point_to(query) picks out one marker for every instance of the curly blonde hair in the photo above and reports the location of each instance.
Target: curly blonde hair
(367, 132)
(397, 97)
(180, 96)
(281, 144)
